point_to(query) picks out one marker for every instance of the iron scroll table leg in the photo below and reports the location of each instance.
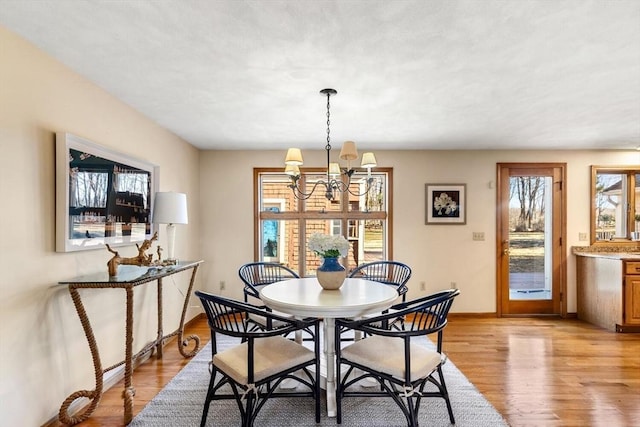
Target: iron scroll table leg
(183, 342)
(94, 395)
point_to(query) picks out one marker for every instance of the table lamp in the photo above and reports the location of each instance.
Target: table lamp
(170, 208)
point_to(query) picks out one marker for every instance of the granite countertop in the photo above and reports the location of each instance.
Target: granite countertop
(612, 252)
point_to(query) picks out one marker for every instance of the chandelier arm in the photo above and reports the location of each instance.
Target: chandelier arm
(301, 195)
(365, 191)
(339, 185)
(347, 187)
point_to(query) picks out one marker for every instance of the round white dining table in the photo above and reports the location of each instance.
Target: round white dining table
(305, 297)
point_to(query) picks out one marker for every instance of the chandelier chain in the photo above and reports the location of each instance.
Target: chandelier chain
(328, 147)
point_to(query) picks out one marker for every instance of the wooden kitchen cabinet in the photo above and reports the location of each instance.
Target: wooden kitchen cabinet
(608, 290)
(632, 293)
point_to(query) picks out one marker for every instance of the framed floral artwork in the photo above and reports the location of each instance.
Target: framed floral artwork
(446, 203)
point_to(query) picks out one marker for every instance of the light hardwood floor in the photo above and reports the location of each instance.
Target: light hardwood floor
(535, 371)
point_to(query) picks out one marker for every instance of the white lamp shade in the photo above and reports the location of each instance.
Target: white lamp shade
(294, 157)
(170, 208)
(369, 160)
(349, 151)
(334, 169)
(292, 170)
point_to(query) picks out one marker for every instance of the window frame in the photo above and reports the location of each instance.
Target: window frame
(630, 172)
(344, 214)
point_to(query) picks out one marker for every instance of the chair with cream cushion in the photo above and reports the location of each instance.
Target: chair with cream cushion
(255, 366)
(255, 276)
(397, 359)
(392, 273)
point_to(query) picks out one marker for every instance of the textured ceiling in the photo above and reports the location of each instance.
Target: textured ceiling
(409, 74)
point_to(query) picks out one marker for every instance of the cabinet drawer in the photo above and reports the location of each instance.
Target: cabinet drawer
(632, 267)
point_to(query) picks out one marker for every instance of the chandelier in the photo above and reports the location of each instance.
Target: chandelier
(337, 180)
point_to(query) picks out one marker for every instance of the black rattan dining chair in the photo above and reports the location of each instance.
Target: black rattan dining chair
(255, 366)
(256, 275)
(399, 360)
(391, 273)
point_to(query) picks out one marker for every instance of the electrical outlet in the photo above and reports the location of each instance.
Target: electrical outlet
(423, 286)
(582, 237)
(223, 285)
(478, 235)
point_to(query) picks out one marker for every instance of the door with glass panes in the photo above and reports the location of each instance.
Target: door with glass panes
(531, 254)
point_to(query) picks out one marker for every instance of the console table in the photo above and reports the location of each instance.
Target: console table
(128, 278)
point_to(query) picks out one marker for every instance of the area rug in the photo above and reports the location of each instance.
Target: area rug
(180, 404)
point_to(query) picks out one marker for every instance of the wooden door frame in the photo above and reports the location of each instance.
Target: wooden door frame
(561, 272)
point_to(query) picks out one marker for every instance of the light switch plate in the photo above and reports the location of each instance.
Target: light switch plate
(478, 235)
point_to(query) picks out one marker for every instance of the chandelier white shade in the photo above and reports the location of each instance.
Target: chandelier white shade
(334, 183)
(294, 157)
(349, 151)
(170, 208)
(292, 170)
(368, 161)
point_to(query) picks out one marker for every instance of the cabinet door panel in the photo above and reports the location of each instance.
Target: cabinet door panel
(632, 300)
(632, 267)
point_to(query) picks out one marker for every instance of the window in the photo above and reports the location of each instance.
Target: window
(88, 189)
(284, 223)
(615, 196)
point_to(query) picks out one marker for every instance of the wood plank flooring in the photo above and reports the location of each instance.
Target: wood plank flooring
(550, 372)
(535, 371)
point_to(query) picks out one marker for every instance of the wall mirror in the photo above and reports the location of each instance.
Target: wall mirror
(615, 198)
(101, 196)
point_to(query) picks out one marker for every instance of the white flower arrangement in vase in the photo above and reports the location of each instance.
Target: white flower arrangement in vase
(329, 246)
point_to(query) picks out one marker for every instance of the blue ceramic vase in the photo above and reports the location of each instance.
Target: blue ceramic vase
(331, 273)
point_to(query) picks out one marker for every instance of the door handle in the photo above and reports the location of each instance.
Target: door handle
(505, 250)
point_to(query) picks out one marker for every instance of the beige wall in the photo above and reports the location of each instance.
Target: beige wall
(44, 355)
(43, 352)
(438, 255)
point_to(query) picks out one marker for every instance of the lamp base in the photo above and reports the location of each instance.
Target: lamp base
(171, 239)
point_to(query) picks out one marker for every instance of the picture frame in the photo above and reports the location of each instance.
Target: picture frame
(102, 196)
(446, 204)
